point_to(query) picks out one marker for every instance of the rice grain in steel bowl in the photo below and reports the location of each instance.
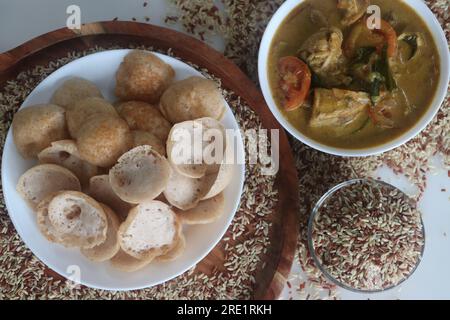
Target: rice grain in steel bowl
(366, 235)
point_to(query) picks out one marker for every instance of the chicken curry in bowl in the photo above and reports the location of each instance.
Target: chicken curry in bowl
(350, 81)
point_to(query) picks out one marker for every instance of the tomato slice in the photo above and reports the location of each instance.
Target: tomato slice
(361, 36)
(381, 115)
(390, 36)
(295, 81)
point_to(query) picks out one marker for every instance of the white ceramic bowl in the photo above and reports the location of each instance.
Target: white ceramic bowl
(200, 239)
(441, 43)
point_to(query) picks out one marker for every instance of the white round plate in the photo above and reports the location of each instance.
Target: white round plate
(100, 68)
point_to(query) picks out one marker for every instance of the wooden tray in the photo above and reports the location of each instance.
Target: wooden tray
(54, 45)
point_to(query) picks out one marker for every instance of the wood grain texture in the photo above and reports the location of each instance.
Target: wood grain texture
(53, 45)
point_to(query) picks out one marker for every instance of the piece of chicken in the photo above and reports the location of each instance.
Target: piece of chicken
(353, 10)
(323, 53)
(344, 111)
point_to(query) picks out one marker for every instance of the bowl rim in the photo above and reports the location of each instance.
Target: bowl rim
(422, 10)
(312, 251)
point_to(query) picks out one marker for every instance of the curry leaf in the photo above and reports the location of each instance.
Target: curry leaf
(363, 55)
(386, 71)
(376, 79)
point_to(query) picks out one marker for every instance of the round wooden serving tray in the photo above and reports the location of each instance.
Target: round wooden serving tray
(56, 44)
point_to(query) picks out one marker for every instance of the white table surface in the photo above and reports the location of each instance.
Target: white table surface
(22, 20)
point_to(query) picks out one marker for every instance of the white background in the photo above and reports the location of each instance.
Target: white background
(21, 20)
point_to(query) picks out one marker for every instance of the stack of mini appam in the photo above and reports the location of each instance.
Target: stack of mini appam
(109, 180)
